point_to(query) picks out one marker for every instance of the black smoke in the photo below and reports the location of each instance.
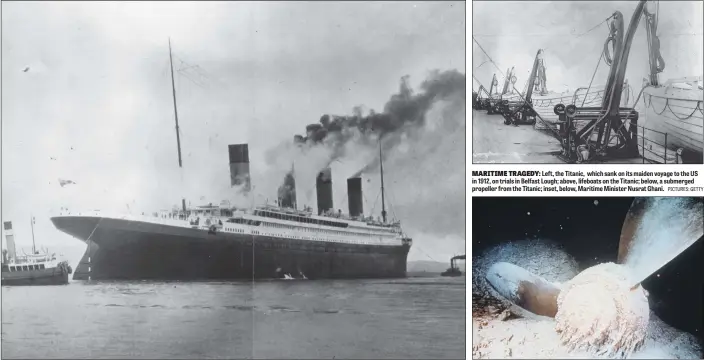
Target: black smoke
(403, 112)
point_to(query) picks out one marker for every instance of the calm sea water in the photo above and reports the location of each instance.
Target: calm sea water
(404, 318)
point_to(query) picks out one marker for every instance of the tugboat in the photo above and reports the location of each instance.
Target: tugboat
(452, 270)
(35, 269)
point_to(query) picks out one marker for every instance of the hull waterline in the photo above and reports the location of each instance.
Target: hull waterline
(128, 249)
(52, 276)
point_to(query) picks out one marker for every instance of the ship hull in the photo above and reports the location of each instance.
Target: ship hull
(138, 250)
(451, 274)
(53, 276)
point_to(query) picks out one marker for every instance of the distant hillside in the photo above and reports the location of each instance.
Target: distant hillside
(431, 266)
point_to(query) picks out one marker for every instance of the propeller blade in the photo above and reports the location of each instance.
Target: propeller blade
(656, 230)
(523, 288)
(630, 225)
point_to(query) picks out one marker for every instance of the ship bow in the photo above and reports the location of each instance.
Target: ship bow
(80, 227)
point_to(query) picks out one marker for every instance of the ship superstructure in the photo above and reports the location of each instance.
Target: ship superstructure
(223, 242)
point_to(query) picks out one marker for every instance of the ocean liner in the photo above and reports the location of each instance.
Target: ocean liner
(224, 242)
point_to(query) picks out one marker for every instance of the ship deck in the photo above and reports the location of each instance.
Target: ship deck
(494, 142)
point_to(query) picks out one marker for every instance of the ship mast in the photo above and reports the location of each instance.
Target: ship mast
(381, 165)
(178, 136)
(34, 247)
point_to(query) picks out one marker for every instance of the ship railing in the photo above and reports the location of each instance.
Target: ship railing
(653, 146)
(280, 210)
(134, 217)
(365, 236)
(383, 224)
(685, 115)
(656, 146)
(201, 225)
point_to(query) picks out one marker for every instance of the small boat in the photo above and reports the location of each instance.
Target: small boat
(453, 270)
(34, 269)
(675, 108)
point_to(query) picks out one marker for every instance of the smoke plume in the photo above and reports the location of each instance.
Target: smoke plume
(403, 113)
(423, 145)
(287, 191)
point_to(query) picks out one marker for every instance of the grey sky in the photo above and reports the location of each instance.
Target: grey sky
(97, 98)
(512, 33)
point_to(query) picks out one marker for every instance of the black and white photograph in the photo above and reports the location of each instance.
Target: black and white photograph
(587, 277)
(597, 82)
(234, 180)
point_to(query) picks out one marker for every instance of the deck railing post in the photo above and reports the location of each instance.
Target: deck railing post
(643, 142)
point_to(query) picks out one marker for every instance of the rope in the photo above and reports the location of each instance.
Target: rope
(563, 99)
(608, 109)
(590, 30)
(374, 205)
(419, 249)
(592, 80)
(647, 101)
(519, 94)
(391, 206)
(667, 106)
(639, 94)
(593, 128)
(648, 36)
(658, 112)
(550, 100)
(482, 86)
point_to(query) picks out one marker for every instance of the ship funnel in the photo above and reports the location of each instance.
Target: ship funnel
(354, 196)
(10, 239)
(287, 191)
(239, 166)
(323, 189)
